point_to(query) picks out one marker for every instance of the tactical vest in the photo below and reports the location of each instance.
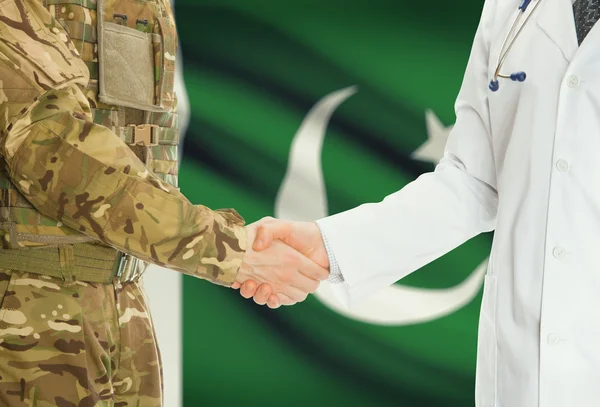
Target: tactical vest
(122, 42)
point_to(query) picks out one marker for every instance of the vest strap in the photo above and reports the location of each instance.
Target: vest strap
(66, 256)
(148, 135)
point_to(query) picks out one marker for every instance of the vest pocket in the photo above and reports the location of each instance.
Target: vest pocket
(485, 384)
(136, 65)
(165, 50)
(126, 67)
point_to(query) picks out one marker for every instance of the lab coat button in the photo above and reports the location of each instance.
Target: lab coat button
(559, 252)
(572, 81)
(553, 339)
(562, 165)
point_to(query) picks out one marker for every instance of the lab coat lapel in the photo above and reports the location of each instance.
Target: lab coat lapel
(555, 18)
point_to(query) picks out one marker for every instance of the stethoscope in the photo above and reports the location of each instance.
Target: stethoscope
(516, 76)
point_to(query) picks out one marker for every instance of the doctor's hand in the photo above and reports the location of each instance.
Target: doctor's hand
(304, 237)
(287, 273)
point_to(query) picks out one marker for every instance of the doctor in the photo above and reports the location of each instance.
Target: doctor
(524, 160)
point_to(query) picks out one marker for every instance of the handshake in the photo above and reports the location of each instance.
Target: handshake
(284, 262)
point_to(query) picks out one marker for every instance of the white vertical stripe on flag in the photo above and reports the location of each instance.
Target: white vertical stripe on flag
(164, 293)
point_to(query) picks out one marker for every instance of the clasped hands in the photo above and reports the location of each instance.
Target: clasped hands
(284, 262)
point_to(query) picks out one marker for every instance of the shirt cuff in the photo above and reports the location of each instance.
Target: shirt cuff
(335, 273)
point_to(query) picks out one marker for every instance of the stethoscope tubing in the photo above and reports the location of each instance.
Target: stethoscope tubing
(507, 45)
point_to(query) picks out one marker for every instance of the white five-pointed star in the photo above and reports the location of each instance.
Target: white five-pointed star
(433, 149)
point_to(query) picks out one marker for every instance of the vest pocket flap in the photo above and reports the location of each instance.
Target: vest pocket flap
(126, 61)
(165, 49)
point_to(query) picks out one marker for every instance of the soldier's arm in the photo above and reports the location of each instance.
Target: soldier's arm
(81, 173)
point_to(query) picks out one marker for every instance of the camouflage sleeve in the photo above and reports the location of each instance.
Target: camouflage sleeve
(81, 173)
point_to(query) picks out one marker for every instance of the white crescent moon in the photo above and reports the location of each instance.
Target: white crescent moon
(303, 197)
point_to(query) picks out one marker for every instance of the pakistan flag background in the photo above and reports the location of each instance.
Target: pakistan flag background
(253, 70)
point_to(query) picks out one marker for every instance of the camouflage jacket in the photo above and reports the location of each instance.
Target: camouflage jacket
(65, 149)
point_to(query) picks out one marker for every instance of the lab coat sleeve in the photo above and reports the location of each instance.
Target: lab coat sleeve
(377, 244)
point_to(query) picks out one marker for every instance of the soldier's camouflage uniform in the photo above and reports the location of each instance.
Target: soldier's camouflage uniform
(88, 143)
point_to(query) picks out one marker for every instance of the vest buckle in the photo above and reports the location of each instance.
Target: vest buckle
(126, 268)
(144, 134)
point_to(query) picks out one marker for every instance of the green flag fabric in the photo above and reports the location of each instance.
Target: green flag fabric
(380, 79)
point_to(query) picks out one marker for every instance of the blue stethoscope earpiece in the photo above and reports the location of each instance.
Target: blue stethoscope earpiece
(494, 85)
(518, 76)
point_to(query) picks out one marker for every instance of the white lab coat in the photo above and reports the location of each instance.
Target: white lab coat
(524, 161)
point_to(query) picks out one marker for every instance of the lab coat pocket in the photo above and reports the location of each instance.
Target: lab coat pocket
(485, 384)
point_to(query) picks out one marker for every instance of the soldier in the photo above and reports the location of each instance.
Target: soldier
(88, 197)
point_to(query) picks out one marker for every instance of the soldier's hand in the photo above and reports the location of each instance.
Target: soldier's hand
(287, 275)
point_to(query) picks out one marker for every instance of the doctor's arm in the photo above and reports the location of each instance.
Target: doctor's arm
(377, 244)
